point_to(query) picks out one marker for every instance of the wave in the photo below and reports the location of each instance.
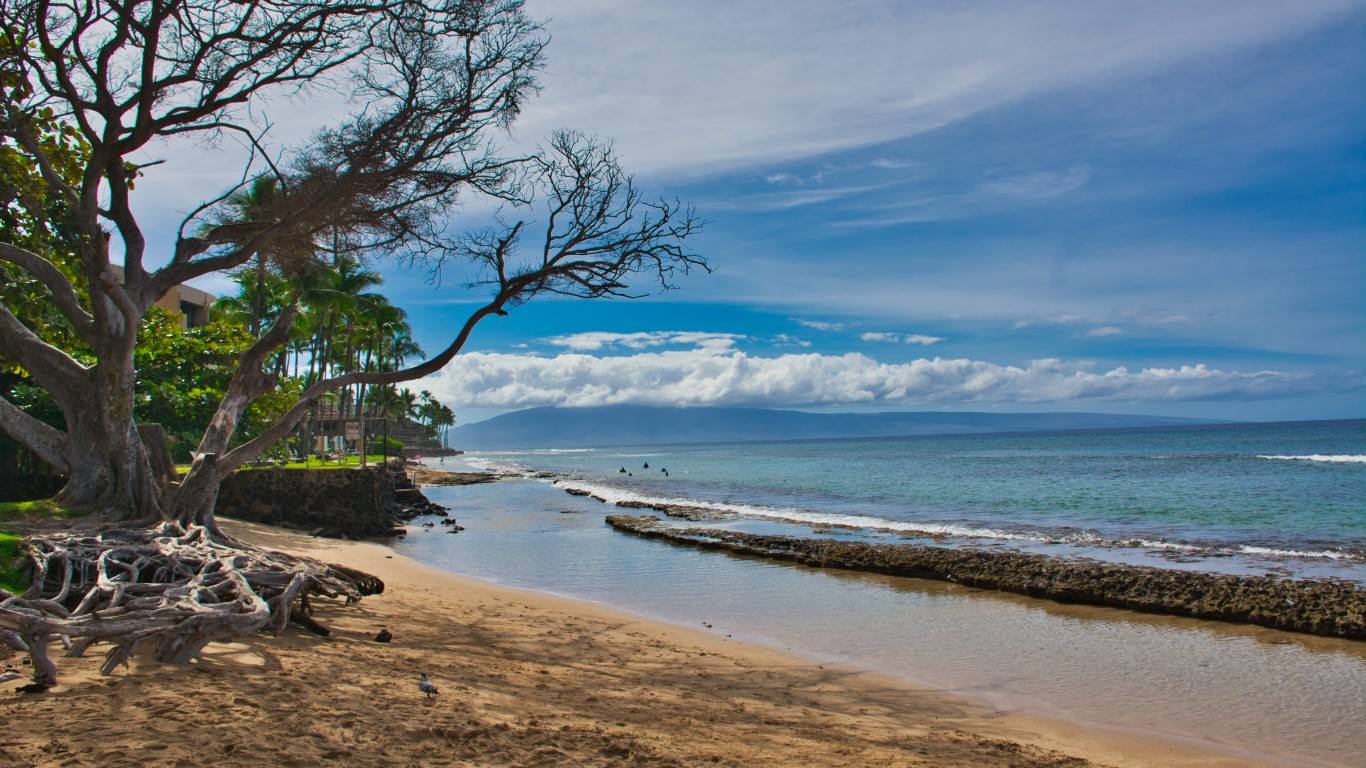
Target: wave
(612, 494)
(539, 451)
(1324, 458)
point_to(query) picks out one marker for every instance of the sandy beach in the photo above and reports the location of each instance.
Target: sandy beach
(525, 679)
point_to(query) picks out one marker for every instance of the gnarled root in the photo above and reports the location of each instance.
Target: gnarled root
(176, 588)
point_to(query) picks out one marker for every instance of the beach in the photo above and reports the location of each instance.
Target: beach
(525, 679)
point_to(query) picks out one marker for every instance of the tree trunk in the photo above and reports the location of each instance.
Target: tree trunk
(107, 465)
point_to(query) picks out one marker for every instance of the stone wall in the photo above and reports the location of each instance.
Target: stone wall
(331, 502)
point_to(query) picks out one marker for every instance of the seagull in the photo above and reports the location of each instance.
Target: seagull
(426, 686)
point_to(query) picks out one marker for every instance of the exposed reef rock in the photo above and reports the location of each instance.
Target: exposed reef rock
(425, 476)
(683, 511)
(1317, 607)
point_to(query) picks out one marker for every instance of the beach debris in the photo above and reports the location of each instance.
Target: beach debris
(425, 685)
(384, 635)
(8, 676)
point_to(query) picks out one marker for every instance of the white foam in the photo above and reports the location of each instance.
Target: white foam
(1346, 458)
(613, 494)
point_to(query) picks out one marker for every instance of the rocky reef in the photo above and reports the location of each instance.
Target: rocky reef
(1318, 607)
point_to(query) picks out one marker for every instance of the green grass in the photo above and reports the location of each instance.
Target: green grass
(345, 462)
(341, 463)
(10, 578)
(28, 510)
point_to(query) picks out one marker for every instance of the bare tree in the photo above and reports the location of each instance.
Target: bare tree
(433, 81)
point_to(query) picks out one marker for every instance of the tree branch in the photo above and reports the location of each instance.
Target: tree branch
(49, 444)
(63, 292)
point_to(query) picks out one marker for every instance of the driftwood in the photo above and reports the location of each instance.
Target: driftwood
(174, 588)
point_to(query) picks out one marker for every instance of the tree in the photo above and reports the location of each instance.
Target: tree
(434, 81)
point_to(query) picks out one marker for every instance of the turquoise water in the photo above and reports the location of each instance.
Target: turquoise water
(1291, 497)
(1179, 498)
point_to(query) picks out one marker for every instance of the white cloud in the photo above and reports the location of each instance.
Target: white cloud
(976, 199)
(1108, 330)
(819, 325)
(903, 338)
(780, 201)
(784, 340)
(593, 341)
(708, 85)
(728, 377)
(921, 339)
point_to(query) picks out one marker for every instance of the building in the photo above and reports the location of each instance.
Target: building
(192, 304)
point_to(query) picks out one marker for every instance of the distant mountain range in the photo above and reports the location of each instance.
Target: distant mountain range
(644, 425)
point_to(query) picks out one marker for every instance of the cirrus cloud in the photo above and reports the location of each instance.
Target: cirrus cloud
(711, 376)
(903, 338)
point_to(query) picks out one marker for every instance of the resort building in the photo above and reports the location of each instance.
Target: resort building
(191, 303)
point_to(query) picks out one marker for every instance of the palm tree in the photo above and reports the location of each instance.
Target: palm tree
(251, 210)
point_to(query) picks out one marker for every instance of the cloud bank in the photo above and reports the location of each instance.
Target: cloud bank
(723, 377)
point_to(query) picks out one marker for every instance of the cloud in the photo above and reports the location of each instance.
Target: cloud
(784, 200)
(784, 340)
(819, 325)
(703, 86)
(903, 338)
(593, 341)
(1131, 315)
(982, 197)
(703, 377)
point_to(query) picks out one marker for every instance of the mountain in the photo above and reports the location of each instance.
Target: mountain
(645, 425)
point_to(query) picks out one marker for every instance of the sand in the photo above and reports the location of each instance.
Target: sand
(525, 679)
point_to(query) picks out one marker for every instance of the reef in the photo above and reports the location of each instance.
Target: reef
(1325, 607)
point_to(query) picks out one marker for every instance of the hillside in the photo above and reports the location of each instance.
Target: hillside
(644, 425)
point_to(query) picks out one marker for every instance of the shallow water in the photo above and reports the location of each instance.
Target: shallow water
(1275, 693)
(1289, 498)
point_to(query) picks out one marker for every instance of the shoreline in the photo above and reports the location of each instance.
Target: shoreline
(528, 678)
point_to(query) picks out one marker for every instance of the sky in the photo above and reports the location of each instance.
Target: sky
(1132, 207)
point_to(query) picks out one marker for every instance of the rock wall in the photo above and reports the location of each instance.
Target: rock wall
(353, 503)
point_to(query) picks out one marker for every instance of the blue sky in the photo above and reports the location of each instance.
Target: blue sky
(1154, 207)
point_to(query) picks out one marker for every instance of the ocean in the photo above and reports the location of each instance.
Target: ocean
(1288, 499)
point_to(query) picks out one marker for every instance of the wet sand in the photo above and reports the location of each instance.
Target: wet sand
(525, 679)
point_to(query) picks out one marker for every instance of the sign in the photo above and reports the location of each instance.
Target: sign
(352, 430)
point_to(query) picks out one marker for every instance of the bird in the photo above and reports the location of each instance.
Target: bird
(425, 685)
(384, 635)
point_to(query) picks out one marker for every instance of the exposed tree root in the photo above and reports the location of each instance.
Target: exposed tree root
(174, 587)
